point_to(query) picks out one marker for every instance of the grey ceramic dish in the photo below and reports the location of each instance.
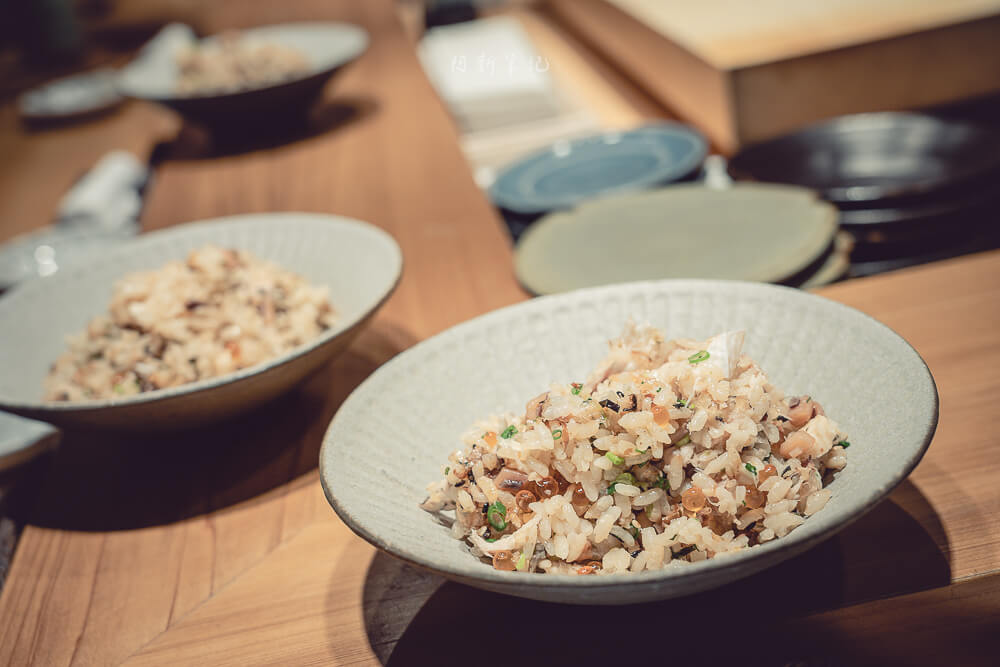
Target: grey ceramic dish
(359, 263)
(393, 434)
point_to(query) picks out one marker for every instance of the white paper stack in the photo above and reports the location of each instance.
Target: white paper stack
(489, 74)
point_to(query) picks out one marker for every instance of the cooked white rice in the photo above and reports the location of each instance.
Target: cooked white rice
(671, 451)
(217, 312)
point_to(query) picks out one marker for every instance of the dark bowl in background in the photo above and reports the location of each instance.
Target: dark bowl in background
(257, 106)
(328, 47)
(889, 159)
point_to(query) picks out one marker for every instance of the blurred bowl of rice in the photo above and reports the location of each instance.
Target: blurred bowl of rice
(192, 324)
(240, 78)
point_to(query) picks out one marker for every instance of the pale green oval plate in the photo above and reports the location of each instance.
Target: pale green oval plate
(755, 232)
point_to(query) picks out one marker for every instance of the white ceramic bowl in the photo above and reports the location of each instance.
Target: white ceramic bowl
(359, 263)
(391, 437)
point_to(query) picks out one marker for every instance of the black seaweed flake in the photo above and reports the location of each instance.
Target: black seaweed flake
(787, 468)
(635, 553)
(782, 418)
(611, 405)
(462, 483)
(685, 551)
(720, 419)
(486, 506)
(620, 395)
(750, 527)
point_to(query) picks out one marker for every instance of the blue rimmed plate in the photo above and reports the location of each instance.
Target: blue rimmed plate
(570, 172)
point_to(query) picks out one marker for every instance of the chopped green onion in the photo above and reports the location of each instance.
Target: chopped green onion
(496, 515)
(614, 458)
(751, 468)
(491, 539)
(683, 441)
(662, 483)
(659, 389)
(509, 432)
(634, 531)
(699, 356)
(522, 562)
(556, 434)
(576, 388)
(119, 388)
(625, 478)
(447, 469)
(845, 444)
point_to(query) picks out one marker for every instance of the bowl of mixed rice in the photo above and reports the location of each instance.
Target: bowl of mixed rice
(629, 443)
(192, 324)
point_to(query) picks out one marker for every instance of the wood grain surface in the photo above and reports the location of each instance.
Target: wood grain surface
(218, 547)
(745, 72)
(732, 33)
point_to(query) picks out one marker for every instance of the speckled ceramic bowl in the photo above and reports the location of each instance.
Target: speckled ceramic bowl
(359, 263)
(393, 434)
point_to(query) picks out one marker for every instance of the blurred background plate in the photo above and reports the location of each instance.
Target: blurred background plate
(834, 266)
(23, 439)
(758, 232)
(861, 159)
(570, 172)
(71, 97)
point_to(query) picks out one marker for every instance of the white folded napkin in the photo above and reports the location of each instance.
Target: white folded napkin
(107, 196)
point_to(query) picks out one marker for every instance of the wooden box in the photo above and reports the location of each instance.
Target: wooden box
(745, 70)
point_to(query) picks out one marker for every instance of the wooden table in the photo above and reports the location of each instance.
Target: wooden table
(219, 548)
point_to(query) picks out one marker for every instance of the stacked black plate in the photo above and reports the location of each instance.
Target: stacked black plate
(910, 187)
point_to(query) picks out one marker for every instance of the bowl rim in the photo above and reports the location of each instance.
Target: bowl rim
(287, 218)
(535, 204)
(126, 90)
(471, 571)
